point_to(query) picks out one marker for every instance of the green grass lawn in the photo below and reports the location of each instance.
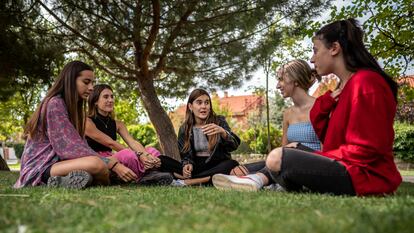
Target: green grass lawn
(168, 209)
(14, 166)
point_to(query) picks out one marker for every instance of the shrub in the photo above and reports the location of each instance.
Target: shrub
(404, 141)
(145, 134)
(256, 138)
(243, 149)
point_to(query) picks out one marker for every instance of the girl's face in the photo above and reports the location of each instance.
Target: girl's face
(84, 83)
(285, 85)
(201, 107)
(105, 103)
(322, 58)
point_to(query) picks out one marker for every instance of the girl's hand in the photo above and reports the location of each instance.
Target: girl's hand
(211, 129)
(124, 173)
(155, 161)
(187, 169)
(149, 161)
(335, 94)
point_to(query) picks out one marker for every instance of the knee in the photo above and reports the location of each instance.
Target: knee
(96, 166)
(274, 159)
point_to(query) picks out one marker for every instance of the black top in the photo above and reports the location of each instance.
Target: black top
(107, 126)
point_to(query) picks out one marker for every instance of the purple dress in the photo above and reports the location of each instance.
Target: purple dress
(62, 142)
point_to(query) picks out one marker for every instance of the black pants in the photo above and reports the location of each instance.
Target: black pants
(304, 170)
(200, 167)
(255, 166)
(260, 165)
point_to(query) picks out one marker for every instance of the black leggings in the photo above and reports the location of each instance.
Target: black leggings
(303, 170)
(200, 167)
(259, 166)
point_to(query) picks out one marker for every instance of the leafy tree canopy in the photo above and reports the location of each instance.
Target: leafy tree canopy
(389, 30)
(28, 56)
(180, 44)
(168, 47)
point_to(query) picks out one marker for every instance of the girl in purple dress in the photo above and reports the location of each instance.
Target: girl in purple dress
(56, 152)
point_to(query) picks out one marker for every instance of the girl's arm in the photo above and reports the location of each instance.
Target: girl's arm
(232, 141)
(147, 159)
(130, 141)
(186, 157)
(285, 125)
(100, 137)
(64, 138)
(320, 114)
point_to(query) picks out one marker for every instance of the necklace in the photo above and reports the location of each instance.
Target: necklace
(105, 123)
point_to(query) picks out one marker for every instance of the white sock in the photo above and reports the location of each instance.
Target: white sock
(257, 179)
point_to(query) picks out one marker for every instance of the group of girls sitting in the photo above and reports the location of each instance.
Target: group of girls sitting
(340, 143)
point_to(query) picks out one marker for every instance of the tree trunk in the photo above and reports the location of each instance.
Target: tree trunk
(267, 69)
(159, 118)
(3, 165)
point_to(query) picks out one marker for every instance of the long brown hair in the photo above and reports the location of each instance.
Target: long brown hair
(65, 85)
(94, 97)
(349, 35)
(190, 120)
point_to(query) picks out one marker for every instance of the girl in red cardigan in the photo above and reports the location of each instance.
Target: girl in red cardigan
(355, 124)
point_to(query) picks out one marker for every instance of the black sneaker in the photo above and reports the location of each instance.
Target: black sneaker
(74, 180)
(156, 178)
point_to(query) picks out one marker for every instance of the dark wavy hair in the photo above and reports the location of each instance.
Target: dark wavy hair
(349, 35)
(190, 120)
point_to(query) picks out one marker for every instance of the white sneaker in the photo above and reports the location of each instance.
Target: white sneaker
(178, 183)
(240, 183)
(275, 187)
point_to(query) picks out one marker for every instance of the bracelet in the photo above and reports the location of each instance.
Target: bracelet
(138, 153)
(113, 166)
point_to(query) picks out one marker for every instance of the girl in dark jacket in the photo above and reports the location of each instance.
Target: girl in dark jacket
(205, 140)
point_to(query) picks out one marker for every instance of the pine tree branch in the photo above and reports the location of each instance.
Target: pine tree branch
(101, 66)
(152, 36)
(174, 34)
(88, 40)
(112, 21)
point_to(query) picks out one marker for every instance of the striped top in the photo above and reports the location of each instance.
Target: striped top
(304, 133)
